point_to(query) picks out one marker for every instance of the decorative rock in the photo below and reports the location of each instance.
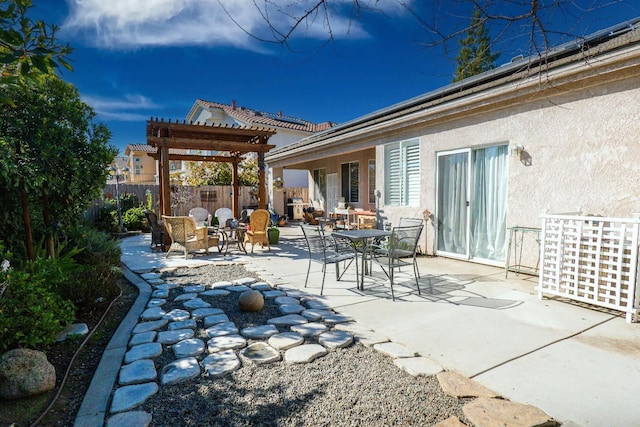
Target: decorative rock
(193, 289)
(25, 372)
(215, 319)
(172, 337)
(150, 276)
(222, 284)
(153, 313)
(186, 348)
(417, 366)
(156, 302)
(314, 314)
(225, 342)
(150, 326)
(221, 329)
(319, 305)
(294, 293)
(196, 303)
(251, 301)
(160, 293)
(304, 353)
(179, 371)
(286, 300)
(245, 281)
(288, 320)
(200, 313)
(183, 324)
(335, 318)
(486, 412)
(261, 286)
(457, 385)
(155, 281)
(130, 396)
(143, 351)
(335, 339)
(215, 293)
(272, 294)
(129, 419)
(260, 353)
(140, 371)
(291, 309)
(238, 288)
(166, 286)
(177, 315)
(74, 330)
(259, 332)
(218, 364)
(142, 338)
(285, 340)
(394, 350)
(185, 297)
(309, 329)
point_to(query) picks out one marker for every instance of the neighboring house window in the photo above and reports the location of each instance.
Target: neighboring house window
(319, 184)
(350, 181)
(402, 173)
(175, 165)
(372, 181)
(138, 169)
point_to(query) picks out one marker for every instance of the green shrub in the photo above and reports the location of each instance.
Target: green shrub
(134, 219)
(97, 246)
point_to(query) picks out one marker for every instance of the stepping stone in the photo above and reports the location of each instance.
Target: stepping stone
(172, 337)
(222, 284)
(155, 281)
(285, 340)
(166, 286)
(196, 303)
(238, 288)
(185, 297)
(153, 313)
(288, 320)
(200, 313)
(485, 412)
(363, 335)
(452, 421)
(272, 294)
(193, 288)
(150, 326)
(142, 338)
(291, 309)
(156, 302)
(286, 300)
(219, 364)
(335, 339)
(176, 315)
(319, 305)
(294, 293)
(189, 347)
(143, 351)
(394, 350)
(215, 293)
(74, 330)
(245, 281)
(310, 329)
(180, 371)
(183, 324)
(314, 314)
(130, 396)
(457, 385)
(138, 372)
(221, 329)
(417, 366)
(129, 419)
(261, 286)
(160, 293)
(304, 353)
(260, 353)
(335, 318)
(225, 342)
(147, 276)
(259, 332)
(215, 319)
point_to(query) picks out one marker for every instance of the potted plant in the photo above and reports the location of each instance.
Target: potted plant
(274, 234)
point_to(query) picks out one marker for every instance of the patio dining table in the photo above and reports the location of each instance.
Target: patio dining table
(365, 236)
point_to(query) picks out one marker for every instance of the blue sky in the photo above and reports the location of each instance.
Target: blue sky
(138, 59)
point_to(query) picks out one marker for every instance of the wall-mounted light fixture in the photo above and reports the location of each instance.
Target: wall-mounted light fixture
(517, 150)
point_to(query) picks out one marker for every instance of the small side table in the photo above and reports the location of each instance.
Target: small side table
(516, 242)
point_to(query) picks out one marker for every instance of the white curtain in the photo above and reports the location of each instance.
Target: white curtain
(452, 203)
(489, 204)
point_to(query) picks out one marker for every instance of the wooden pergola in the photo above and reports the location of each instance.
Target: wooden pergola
(235, 141)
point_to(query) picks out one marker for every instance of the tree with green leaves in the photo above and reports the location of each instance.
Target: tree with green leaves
(54, 160)
(27, 47)
(475, 54)
(215, 173)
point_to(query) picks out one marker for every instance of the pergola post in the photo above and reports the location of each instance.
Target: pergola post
(262, 185)
(165, 188)
(235, 185)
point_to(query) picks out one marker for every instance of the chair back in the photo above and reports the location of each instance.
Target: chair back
(200, 216)
(152, 219)
(223, 215)
(408, 222)
(180, 228)
(259, 221)
(314, 238)
(403, 241)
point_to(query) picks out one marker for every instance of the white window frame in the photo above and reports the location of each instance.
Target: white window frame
(402, 173)
(350, 191)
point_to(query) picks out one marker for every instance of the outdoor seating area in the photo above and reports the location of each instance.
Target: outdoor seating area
(184, 234)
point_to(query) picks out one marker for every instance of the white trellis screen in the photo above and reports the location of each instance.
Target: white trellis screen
(591, 259)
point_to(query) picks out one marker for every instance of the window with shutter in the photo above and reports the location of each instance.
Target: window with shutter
(402, 173)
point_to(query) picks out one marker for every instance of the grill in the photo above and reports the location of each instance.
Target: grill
(294, 208)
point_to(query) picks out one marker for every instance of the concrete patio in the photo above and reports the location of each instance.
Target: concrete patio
(579, 364)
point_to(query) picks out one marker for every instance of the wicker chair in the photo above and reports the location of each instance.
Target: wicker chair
(259, 222)
(157, 228)
(185, 235)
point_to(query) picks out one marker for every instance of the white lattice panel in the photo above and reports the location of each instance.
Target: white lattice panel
(591, 259)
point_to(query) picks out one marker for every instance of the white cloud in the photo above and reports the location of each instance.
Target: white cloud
(122, 24)
(121, 108)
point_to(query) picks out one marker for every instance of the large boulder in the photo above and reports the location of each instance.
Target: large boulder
(24, 373)
(251, 301)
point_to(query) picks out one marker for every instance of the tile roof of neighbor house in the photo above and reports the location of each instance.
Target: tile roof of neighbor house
(144, 148)
(255, 117)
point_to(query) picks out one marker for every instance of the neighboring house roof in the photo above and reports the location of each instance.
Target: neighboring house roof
(581, 50)
(260, 118)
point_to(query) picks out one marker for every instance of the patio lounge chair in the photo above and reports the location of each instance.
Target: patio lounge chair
(185, 235)
(327, 249)
(201, 216)
(156, 227)
(258, 223)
